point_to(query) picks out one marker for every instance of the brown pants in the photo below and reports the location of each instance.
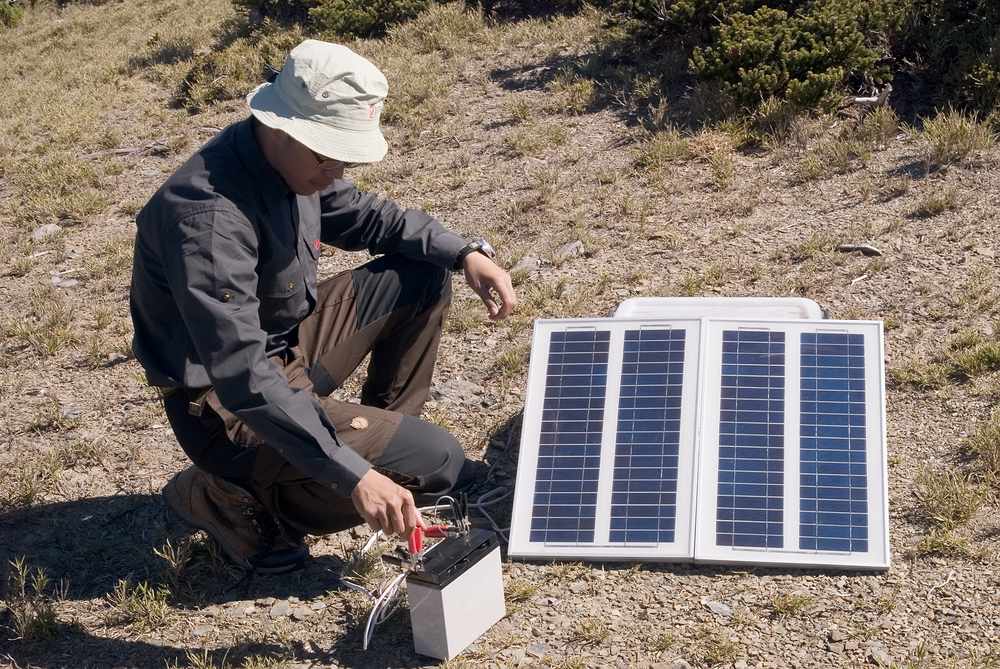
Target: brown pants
(393, 308)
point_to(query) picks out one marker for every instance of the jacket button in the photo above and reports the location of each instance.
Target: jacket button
(226, 296)
(291, 285)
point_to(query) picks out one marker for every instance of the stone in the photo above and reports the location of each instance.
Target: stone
(570, 250)
(719, 608)
(528, 264)
(679, 663)
(880, 657)
(835, 647)
(837, 635)
(280, 609)
(46, 231)
(302, 613)
(458, 391)
(537, 650)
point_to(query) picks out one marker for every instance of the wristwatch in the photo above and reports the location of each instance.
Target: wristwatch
(476, 245)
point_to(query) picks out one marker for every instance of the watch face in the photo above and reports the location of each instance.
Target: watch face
(480, 244)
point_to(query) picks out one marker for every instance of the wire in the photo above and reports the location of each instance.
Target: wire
(383, 607)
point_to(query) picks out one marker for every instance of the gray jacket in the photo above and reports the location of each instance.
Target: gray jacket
(225, 270)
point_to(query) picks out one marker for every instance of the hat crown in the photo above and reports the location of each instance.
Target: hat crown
(329, 83)
(328, 98)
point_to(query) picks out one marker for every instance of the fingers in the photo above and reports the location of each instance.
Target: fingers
(385, 506)
(492, 284)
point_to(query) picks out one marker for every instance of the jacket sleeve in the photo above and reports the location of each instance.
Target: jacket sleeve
(211, 259)
(354, 221)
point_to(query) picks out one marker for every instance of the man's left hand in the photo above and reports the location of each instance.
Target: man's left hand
(491, 284)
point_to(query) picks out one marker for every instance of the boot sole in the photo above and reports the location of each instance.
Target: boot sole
(176, 503)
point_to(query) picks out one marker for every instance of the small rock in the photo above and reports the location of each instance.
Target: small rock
(865, 249)
(46, 231)
(537, 650)
(570, 250)
(676, 664)
(740, 664)
(203, 629)
(880, 657)
(719, 608)
(280, 609)
(456, 390)
(528, 264)
(837, 635)
(60, 282)
(835, 647)
(302, 613)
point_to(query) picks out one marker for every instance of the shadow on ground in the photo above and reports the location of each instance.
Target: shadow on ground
(89, 545)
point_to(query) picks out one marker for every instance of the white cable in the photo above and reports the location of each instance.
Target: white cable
(491, 497)
(375, 616)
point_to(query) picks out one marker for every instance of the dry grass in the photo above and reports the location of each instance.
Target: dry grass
(532, 133)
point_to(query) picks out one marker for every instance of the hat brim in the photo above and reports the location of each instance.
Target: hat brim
(351, 146)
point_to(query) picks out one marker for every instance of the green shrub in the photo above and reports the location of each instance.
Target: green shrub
(805, 57)
(955, 48)
(237, 69)
(339, 18)
(281, 11)
(10, 13)
(685, 16)
(365, 18)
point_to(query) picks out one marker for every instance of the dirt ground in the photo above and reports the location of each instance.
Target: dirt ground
(85, 448)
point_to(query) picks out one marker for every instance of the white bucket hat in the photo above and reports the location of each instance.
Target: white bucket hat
(328, 98)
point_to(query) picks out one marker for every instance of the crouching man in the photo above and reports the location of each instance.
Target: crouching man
(246, 345)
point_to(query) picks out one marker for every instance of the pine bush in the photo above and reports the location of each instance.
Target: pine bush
(11, 12)
(955, 48)
(365, 18)
(805, 57)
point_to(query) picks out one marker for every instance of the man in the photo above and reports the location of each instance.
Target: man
(246, 346)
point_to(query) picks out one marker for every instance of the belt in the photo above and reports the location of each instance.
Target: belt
(196, 405)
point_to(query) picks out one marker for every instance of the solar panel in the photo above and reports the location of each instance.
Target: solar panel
(704, 439)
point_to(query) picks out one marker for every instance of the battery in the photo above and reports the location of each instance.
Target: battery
(457, 594)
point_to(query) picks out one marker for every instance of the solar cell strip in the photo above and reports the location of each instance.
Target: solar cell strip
(833, 497)
(644, 489)
(565, 496)
(750, 502)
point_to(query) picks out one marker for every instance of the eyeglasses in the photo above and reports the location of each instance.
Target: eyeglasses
(330, 164)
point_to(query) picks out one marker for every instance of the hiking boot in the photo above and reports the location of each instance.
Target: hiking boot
(243, 527)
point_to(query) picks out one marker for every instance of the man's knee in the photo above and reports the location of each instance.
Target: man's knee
(429, 454)
(394, 282)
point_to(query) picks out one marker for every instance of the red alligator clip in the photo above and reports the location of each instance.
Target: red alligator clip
(416, 542)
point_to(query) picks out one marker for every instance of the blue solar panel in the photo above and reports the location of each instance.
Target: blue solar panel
(833, 443)
(644, 492)
(749, 511)
(565, 500)
(674, 439)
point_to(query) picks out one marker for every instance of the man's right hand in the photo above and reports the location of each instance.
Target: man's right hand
(386, 506)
